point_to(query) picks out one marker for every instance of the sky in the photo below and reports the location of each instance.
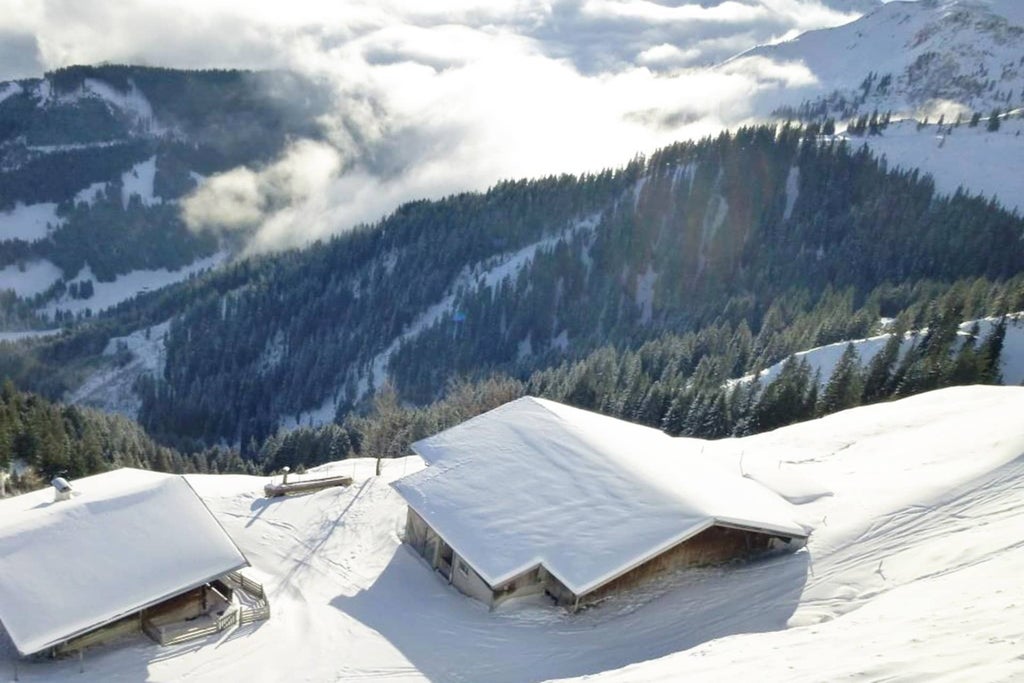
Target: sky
(440, 97)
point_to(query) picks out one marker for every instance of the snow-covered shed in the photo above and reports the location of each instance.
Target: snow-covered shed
(538, 496)
(125, 546)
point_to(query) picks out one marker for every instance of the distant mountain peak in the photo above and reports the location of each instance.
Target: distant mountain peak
(907, 57)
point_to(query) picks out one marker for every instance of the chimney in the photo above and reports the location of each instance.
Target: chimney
(61, 489)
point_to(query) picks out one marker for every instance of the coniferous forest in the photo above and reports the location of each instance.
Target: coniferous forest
(637, 291)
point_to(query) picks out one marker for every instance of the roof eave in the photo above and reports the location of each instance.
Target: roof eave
(35, 649)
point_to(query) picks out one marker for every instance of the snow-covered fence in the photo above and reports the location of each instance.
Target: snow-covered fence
(248, 585)
(259, 608)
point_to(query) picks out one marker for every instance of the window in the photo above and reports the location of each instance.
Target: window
(463, 568)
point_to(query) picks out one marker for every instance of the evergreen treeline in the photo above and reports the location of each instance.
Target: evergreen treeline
(675, 383)
(663, 385)
(52, 440)
(765, 232)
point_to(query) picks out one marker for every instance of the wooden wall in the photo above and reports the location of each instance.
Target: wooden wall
(714, 545)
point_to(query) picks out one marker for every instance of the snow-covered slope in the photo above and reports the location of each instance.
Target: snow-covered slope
(915, 558)
(111, 388)
(975, 159)
(964, 53)
(109, 294)
(823, 359)
(30, 223)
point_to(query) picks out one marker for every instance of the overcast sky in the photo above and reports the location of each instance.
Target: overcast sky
(438, 97)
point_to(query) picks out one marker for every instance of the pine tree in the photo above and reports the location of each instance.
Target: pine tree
(879, 373)
(845, 386)
(993, 120)
(990, 354)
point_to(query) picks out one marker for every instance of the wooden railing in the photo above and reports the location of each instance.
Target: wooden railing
(261, 608)
(238, 615)
(248, 585)
(251, 614)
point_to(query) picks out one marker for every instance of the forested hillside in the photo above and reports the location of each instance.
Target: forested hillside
(768, 240)
(43, 440)
(93, 161)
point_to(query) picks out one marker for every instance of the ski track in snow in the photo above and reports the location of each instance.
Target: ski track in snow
(915, 557)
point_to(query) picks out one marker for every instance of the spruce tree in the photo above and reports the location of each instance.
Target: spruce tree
(845, 386)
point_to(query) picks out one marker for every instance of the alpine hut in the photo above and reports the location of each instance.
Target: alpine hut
(117, 552)
(536, 496)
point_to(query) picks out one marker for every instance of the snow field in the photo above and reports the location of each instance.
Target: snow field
(982, 162)
(138, 181)
(124, 287)
(823, 359)
(36, 278)
(112, 388)
(29, 222)
(912, 573)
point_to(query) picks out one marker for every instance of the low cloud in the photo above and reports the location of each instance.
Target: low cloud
(435, 98)
(277, 203)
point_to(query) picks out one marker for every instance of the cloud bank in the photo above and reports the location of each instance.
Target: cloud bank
(435, 98)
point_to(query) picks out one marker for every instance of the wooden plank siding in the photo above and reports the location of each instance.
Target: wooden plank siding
(715, 545)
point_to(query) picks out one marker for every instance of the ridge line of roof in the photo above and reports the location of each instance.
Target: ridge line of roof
(215, 519)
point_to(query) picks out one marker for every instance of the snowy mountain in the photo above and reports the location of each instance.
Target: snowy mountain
(927, 58)
(914, 557)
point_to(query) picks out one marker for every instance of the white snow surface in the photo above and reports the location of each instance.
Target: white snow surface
(912, 573)
(133, 102)
(109, 294)
(90, 194)
(36, 277)
(20, 335)
(939, 53)
(128, 539)
(112, 389)
(29, 222)
(823, 359)
(916, 557)
(138, 182)
(535, 482)
(981, 162)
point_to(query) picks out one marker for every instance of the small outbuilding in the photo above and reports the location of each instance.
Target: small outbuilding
(536, 496)
(114, 553)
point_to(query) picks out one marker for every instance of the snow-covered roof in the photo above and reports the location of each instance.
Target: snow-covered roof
(126, 540)
(588, 496)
